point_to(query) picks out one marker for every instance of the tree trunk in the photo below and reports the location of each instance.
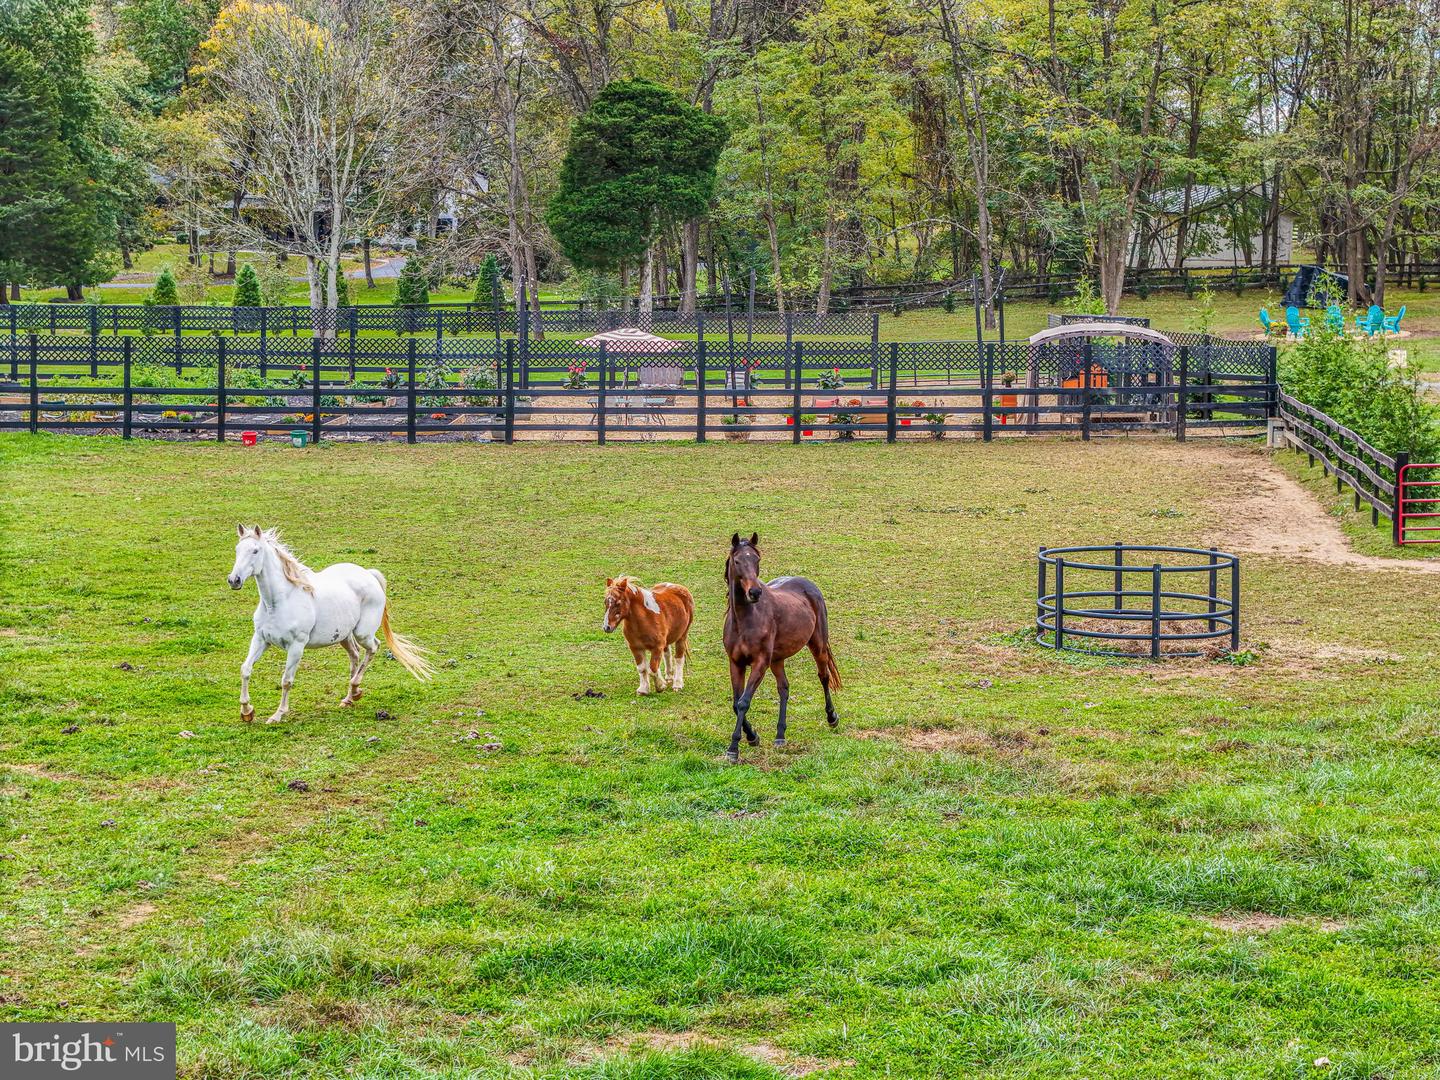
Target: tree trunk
(369, 273)
(75, 293)
(689, 265)
(647, 287)
(125, 259)
(15, 291)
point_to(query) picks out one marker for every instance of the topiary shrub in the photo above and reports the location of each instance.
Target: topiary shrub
(166, 292)
(247, 288)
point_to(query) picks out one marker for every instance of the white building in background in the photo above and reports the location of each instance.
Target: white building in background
(1224, 229)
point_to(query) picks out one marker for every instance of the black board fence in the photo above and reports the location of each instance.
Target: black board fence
(214, 387)
(438, 321)
(1370, 474)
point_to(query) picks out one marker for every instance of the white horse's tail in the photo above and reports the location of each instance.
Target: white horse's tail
(411, 656)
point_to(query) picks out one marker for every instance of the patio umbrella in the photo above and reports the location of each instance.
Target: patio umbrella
(631, 340)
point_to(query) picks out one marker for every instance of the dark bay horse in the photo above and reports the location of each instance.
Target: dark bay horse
(765, 625)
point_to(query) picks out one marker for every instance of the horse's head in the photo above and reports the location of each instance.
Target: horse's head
(249, 555)
(742, 568)
(617, 603)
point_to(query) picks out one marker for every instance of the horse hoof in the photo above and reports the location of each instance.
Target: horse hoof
(247, 715)
(754, 742)
(732, 756)
(277, 718)
(778, 742)
(833, 721)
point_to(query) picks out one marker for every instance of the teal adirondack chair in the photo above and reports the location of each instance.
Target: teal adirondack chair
(1267, 322)
(1373, 321)
(1296, 323)
(1392, 326)
(1335, 318)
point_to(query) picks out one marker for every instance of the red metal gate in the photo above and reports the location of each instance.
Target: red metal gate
(1417, 506)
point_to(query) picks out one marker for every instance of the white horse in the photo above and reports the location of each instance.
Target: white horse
(300, 609)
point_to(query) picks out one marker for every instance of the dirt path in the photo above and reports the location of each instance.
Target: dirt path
(1268, 513)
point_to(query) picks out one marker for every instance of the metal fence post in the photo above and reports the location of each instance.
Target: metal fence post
(700, 418)
(875, 351)
(1397, 515)
(1180, 396)
(315, 390)
(600, 400)
(127, 396)
(220, 390)
(523, 332)
(789, 321)
(987, 392)
(795, 398)
(1214, 588)
(510, 391)
(891, 416)
(1040, 593)
(410, 391)
(1059, 602)
(1154, 611)
(34, 384)
(1235, 605)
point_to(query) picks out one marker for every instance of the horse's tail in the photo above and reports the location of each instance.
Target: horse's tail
(411, 656)
(827, 657)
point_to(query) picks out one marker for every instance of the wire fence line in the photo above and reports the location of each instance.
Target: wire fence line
(214, 387)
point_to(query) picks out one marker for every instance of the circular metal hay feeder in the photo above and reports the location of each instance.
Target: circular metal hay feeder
(1138, 600)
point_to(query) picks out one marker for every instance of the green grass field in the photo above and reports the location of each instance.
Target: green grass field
(1004, 863)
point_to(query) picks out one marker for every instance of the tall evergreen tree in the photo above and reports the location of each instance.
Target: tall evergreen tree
(640, 160)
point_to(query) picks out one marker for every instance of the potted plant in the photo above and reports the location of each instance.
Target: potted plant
(1008, 401)
(737, 427)
(936, 420)
(830, 380)
(807, 425)
(575, 376)
(916, 404)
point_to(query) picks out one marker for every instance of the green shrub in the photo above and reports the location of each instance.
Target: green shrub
(1351, 381)
(487, 285)
(413, 287)
(247, 287)
(166, 292)
(1086, 300)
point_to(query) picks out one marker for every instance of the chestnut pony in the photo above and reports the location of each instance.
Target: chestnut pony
(656, 620)
(766, 624)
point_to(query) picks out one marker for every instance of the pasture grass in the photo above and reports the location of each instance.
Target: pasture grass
(1004, 863)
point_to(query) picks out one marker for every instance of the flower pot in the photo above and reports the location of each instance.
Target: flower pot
(249, 438)
(299, 438)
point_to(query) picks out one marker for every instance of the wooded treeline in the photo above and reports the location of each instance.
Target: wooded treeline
(867, 141)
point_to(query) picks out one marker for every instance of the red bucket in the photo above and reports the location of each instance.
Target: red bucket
(248, 438)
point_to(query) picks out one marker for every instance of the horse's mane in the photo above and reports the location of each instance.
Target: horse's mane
(296, 572)
(630, 585)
